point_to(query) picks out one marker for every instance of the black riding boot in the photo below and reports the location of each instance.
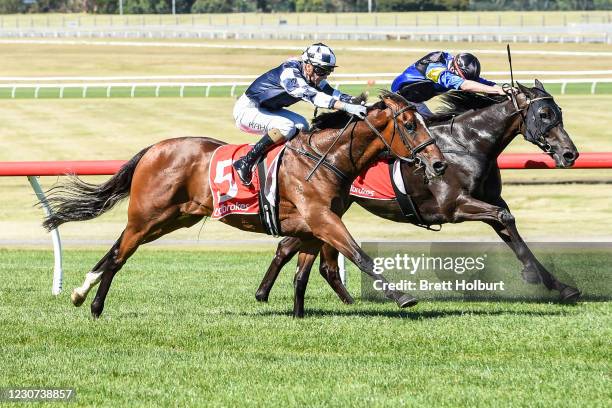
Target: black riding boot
(244, 165)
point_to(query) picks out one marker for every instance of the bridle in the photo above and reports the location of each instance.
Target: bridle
(534, 133)
(319, 158)
(414, 151)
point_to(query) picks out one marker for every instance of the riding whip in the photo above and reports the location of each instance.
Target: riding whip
(510, 62)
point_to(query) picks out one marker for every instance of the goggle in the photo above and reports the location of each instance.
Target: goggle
(458, 70)
(321, 71)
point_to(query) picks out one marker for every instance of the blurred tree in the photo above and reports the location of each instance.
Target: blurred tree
(212, 6)
(271, 6)
(105, 6)
(281, 6)
(138, 6)
(308, 6)
(12, 6)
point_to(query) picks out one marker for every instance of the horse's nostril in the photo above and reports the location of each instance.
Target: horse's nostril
(569, 156)
(439, 167)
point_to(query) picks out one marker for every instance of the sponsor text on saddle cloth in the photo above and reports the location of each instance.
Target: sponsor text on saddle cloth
(230, 196)
(375, 181)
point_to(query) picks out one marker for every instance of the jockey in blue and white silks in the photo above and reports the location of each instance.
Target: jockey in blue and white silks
(439, 72)
(261, 109)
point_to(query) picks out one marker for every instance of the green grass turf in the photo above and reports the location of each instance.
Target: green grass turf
(182, 328)
(227, 91)
(85, 59)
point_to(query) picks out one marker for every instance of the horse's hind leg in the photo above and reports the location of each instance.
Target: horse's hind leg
(116, 258)
(331, 273)
(92, 278)
(136, 234)
(307, 256)
(286, 249)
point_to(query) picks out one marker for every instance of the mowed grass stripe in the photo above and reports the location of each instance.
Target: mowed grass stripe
(183, 328)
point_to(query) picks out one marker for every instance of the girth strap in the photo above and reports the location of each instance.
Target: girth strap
(268, 212)
(404, 199)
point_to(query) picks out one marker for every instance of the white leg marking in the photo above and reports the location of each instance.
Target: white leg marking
(91, 280)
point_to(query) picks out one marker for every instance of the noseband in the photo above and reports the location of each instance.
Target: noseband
(405, 138)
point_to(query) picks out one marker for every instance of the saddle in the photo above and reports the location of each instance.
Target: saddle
(230, 196)
(382, 180)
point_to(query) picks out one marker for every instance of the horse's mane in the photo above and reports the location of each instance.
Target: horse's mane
(455, 103)
(338, 119)
(334, 119)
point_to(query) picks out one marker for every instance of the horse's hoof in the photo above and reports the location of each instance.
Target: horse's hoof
(348, 300)
(406, 300)
(96, 310)
(76, 298)
(569, 295)
(531, 276)
(261, 297)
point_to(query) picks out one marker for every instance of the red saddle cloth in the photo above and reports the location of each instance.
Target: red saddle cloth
(230, 196)
(374, 182)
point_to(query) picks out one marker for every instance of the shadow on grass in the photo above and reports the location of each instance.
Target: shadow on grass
(400, 314)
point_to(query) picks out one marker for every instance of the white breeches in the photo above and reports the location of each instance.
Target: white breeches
(251, 118)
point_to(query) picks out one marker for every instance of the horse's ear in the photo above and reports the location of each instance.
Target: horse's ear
(389, 102)
(539, 86)
(523, 88)
(363, 97)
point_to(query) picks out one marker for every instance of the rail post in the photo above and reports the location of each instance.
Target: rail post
(58, 273)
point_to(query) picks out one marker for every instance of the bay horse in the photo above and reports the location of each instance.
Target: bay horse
(470, 190)
(169, 188)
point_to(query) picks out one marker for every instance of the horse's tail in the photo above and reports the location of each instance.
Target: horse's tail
(76, 200)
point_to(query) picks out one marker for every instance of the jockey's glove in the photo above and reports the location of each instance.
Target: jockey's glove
(357, 110)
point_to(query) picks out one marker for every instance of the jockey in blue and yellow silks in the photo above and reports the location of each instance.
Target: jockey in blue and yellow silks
(439, 72)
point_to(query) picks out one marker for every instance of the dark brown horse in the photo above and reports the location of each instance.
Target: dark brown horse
(470, 189)
(169, 189)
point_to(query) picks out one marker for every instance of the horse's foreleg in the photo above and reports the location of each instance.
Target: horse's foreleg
(308, 254)
(503, 222)
(331, 273)
(328, 227)
(286, 249)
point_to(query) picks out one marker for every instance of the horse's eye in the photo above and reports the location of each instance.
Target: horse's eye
(410, 127)
(545, 115)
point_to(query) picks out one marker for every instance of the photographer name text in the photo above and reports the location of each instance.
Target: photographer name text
(448, 285)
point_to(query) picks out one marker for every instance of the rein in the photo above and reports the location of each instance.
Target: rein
(320, 158)
(396, 127)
